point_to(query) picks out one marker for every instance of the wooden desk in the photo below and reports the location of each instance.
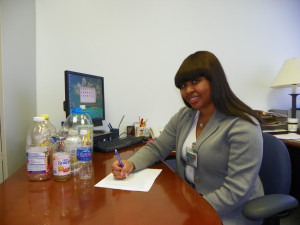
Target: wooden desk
(169, 201)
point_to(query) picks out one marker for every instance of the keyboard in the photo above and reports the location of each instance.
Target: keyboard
(117, 143)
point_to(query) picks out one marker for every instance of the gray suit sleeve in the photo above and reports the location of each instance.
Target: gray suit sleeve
(242, 179)
(159, 149)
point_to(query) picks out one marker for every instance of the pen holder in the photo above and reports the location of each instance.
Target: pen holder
(115, 133)
(140, 131)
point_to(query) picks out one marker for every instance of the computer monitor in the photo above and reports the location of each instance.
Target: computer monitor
(88, 90)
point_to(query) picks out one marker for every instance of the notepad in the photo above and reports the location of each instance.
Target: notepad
(289, 136)
(138, 181)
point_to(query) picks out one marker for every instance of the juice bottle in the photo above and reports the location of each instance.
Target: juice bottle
(38, 155)
(61, 161)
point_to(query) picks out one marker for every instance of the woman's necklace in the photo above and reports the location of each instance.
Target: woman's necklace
(201, 125)
(201, 121)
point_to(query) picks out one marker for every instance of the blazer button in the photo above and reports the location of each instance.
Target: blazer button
(197, 180)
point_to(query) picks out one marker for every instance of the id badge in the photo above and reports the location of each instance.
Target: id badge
(191, 157)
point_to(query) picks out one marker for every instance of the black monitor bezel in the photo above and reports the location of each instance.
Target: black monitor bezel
(68, 74)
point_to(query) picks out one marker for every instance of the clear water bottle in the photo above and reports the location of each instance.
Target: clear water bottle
(79, 120)
(50, 126)
(90, 129)
(84, 155)
(53, 134)
(72, 143)
(61, 161)
(38, 154)
(63, 131)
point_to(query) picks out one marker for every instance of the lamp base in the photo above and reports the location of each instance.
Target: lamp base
(294, 96)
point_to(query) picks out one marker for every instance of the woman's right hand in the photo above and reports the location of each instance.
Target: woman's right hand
(119, 172)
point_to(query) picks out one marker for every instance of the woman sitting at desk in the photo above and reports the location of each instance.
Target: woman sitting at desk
(218, 140)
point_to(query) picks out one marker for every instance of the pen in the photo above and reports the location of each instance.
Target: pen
(141, 123)
(121, 121)
(119, 158)
(144, 123)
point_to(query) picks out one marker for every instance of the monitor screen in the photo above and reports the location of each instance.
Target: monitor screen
(85, 90)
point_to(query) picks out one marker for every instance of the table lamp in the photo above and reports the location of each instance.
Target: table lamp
(289, 77)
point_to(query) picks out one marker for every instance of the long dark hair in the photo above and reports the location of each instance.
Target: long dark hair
(206, 64)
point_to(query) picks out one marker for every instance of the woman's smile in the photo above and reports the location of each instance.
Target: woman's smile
(193, 100)
(197, 93)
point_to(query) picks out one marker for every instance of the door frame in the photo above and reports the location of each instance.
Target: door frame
(3, 155)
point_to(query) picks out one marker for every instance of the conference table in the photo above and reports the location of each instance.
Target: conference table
(169, 201)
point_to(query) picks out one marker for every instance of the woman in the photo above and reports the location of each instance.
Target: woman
(216, 129)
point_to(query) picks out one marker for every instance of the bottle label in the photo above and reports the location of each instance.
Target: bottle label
(84, 153)
(38, 160)
(61, 164)
(71, 147)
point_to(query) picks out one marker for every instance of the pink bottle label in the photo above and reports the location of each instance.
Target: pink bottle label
(61, 164)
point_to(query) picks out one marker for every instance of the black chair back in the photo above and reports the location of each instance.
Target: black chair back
(275, 172)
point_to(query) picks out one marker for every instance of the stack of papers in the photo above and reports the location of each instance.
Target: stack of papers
(288, 136)
(137, 181)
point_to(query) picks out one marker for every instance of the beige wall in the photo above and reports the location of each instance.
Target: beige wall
(18, 77)
(138, 46)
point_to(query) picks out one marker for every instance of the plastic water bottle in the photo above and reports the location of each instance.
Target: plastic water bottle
(61, 161)
(72, 143)
(84, 155)
(90, 125)
(78, 120)
(38, 154)
(63, 131)
(50, 126)
(52, 134)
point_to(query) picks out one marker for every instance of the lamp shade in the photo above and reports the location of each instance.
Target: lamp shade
(289, 74)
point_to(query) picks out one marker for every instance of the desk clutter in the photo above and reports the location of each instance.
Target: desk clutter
(68, 152)
(63, 154)
(273, 121)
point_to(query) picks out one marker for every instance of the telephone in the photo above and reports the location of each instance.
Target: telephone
(155, 131)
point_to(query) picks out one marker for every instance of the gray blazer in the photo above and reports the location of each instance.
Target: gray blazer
(229, 157)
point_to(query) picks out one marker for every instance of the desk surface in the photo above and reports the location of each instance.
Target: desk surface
(291, 143)
(169, 201)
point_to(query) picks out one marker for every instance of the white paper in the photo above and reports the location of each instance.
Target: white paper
(288, 136)
(137, 181)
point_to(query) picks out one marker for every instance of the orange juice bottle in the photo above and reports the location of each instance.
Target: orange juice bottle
(61, 161)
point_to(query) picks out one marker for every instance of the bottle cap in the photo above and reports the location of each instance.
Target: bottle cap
(38, 119)
(76, 110)
(46, 116)
(61, 138)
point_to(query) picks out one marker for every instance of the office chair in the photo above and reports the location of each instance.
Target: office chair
(171, 160)
(275, 174)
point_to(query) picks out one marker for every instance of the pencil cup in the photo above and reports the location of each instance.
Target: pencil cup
(140, 131)
(292, 125)
(115, 133)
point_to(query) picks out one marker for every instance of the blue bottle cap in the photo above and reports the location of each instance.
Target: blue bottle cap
(76, 110)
